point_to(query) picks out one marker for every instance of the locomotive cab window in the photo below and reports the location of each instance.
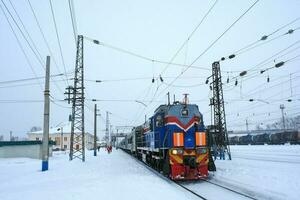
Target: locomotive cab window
(184, 112)
(159, 121)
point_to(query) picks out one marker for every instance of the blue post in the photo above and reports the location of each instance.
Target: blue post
(44, 165)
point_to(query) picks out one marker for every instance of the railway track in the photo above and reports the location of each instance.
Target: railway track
(235, 194)
(267, 160)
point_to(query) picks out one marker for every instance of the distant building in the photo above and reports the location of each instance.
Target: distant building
(1, 138)
(26, 149)
(62, 137)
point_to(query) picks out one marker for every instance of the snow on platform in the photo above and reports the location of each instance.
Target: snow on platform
(113, 176)
(264, 172)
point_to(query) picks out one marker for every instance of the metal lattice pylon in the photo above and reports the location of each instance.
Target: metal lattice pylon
(220, 129)
(77, 147)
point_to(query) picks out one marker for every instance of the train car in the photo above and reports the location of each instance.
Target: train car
(173, 141)
(261, 139)
(234, 140)
(246, 139)
(294, 137)
(277, 138)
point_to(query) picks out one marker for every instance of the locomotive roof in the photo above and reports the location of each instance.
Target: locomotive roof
(166, 108)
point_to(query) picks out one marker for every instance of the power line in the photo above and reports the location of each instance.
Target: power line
(212, 44)
(189, 37)
(21, 47)
(265, 62)
(23, 35)
(28, 84)
(25, 38)
(27, 79)
(152, 60)
(73, 19)
(58, 39)
(26, 31)
(138, 78)
(44, 37)
(263, 38)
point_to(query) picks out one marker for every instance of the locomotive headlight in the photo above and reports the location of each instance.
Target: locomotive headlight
(177, 151)
(174, 151)
(201, 151)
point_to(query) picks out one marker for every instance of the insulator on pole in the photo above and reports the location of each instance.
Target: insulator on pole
(161, 79)
(290, 31)
(243, 73)
(231, 56)
(277, 65)
(264, 37)
(236, 82)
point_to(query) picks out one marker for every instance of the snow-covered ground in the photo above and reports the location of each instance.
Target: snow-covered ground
(272, 171)
(113, 176)
(265, 172)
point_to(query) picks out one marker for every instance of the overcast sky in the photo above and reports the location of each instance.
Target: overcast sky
(155, 29)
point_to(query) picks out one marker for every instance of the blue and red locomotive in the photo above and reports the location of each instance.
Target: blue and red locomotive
(172, 141)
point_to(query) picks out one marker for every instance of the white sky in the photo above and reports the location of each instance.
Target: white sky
(155, 29)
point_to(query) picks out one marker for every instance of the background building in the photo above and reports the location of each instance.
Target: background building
(61, 135)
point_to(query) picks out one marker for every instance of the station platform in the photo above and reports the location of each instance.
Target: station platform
(107, 176)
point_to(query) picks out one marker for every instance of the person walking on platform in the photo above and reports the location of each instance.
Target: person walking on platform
(222, 153)
(215, 151)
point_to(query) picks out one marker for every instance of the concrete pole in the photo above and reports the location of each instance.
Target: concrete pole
(45, 145)
(282, 107)
(95, 130)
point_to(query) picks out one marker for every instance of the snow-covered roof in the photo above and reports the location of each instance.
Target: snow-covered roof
(66, 127)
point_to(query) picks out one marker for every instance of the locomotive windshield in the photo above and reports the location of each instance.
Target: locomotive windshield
(184, 112)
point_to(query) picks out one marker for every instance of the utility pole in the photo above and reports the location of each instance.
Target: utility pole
(95, 129)
(247, 126)
(110, 132)
(77, 147)
(282, 107)
(10, 136)
(107, 135)
(45, 144)
(220, 132)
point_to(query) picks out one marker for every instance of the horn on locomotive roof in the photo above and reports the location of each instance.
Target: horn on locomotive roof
(185, 99)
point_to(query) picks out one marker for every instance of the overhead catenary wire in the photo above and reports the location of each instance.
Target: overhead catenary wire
(26, 31)
(25, 38)
(212, 44)
(264, 62)
(44, 37)
(264, 38)
(58, 39)
(21, 47)
(189, 37)
(152, 60)
(23, 35)
(28, 79)
(73, 19)
(291, 31)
